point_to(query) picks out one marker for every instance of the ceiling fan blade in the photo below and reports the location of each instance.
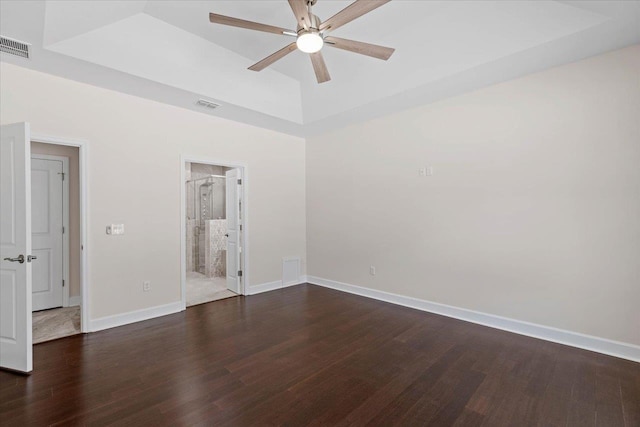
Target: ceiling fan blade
(259, 66)
(235, 22)
(299, 8)
(351, 12)
(362, 48)
(322, 74)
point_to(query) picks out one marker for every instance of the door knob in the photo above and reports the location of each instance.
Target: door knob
(19, 258)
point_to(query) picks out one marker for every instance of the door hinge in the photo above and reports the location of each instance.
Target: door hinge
(62, 175)
(240, 227)
(63, 229)
(239, 181)
(63, 283)
(239, 273)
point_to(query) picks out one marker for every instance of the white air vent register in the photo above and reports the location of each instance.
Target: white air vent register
(14, 47)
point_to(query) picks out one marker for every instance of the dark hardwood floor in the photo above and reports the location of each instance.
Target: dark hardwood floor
(309, 355)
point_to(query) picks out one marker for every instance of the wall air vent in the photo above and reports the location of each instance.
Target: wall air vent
(207, 103)
(14, 47)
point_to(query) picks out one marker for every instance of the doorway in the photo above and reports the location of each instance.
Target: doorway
(212, 232)
(55, 231)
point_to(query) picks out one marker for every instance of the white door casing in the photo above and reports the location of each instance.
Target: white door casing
(16, 351)
(83, 154)
(234, 221)
(47, 210)
(244, 243)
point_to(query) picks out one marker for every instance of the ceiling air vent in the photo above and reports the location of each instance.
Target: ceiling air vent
(14, 47)
(207, 103)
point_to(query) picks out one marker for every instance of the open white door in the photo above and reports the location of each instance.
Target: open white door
(46, 233)
(15, 250)
(234, 221)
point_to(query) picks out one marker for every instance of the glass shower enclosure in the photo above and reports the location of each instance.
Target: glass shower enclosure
(205, 202)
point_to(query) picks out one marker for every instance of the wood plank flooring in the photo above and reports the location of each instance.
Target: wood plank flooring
(306, 355)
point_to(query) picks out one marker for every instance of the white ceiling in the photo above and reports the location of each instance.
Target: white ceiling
(168, 51)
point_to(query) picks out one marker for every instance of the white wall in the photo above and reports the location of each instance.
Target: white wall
(134, 178)
(533, 212)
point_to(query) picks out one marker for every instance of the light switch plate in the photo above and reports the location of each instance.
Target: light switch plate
(115, 229)
(426, 171)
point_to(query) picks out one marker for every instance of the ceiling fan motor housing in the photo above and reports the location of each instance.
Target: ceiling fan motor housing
(312, 26)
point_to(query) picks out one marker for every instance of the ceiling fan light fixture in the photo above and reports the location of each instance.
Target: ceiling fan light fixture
(310, 42)
(310, 34)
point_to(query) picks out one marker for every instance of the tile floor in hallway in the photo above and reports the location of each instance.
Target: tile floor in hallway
(201, 289)
(55, 323)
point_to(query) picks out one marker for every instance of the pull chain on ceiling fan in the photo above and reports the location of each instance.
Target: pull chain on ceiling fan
(312, 34)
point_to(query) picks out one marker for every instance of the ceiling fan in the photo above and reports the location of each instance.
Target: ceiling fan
(311, 34)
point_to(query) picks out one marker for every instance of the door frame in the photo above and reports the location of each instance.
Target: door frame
(244, 199)
(65, 219)
(83, 155)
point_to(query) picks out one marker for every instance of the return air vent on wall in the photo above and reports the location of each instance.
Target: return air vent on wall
(207, 103)
(14, 47)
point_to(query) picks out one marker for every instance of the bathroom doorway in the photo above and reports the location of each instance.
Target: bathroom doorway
(212, 232)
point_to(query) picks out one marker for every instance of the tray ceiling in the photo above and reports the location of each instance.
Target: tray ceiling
(168, 51)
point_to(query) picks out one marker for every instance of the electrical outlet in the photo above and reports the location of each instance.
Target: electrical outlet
(372, 270)
(146, 286)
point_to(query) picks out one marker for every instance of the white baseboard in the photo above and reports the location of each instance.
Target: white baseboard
(574, 339)
(303, 279)
(272, 286)
(134, 316)
(74, 301)
(264, 287)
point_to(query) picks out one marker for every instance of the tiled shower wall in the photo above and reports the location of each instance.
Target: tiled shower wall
(216, 250)
(212, 256)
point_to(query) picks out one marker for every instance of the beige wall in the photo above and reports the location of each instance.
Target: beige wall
(74, 207)
(533, 212)
(134, 178)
